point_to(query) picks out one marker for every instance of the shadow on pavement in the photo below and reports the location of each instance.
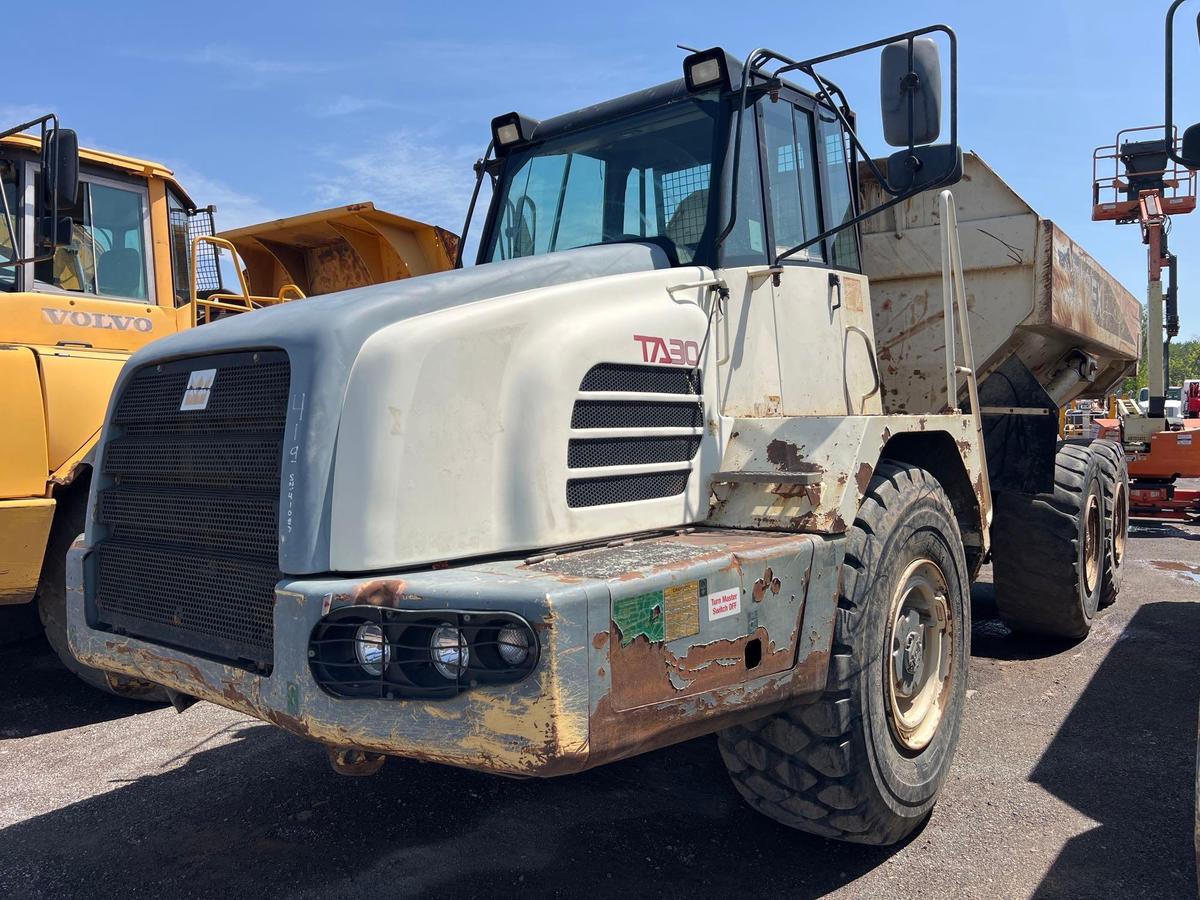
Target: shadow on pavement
(264, 815)
(992, 639)
(38, 695)
(1125, 757)
(1148, 528)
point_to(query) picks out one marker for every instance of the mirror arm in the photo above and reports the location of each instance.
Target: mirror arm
(1169, 88)
(480, 171)
(748, 68)
(830, 232)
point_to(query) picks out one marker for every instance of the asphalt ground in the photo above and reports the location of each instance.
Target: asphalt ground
(1074, 778)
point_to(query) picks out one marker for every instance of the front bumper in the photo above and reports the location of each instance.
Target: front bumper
(605, 687)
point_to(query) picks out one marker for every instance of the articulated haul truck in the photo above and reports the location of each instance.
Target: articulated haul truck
(701, 444)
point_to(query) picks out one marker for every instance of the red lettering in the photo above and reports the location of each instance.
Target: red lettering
(678, 353)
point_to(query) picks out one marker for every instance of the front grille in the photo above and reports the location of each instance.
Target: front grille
(590, 453)
(188, 508)
(646, 441)
(625, 488)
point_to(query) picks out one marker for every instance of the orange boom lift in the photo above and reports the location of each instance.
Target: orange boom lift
(1152, 178)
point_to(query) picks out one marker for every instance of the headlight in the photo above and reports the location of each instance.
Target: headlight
(513, 644)
(371, 649)
(448, 648)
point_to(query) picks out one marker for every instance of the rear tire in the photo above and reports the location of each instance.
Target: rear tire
(1115, 475)
(865, 763)
(1048, 550)
(69, 518)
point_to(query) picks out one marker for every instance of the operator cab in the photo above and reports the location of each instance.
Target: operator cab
(728, 166)
(648, 175)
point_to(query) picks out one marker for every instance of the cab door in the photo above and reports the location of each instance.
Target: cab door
(820, 302)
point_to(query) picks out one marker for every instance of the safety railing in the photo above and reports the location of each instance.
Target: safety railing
(1116, 178)
(954, 304)
(221, 303)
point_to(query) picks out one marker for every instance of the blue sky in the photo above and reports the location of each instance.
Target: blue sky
(271, 109)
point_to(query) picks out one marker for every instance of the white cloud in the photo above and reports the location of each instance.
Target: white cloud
(251, 70)
(234, 208)
(410, 173)
(349, 105)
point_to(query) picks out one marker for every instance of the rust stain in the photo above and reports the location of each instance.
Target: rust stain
(600, 640)
(617, 733)
(787, 457)
(863, 478)
(381, 592)
(645, 672)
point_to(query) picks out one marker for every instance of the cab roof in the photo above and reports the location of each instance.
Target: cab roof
(128, 164)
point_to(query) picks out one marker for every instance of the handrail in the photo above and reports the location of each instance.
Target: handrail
(954, 299)
(228, 301)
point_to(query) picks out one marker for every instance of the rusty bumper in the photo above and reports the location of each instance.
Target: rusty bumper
(641, 645)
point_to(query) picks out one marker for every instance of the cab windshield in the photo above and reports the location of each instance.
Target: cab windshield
(643, 177)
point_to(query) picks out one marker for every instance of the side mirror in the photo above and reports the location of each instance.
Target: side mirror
(1190, 151)
(911, 76)
(925, 168)
(60, 166)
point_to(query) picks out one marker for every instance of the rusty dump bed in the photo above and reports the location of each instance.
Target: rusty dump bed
(338, 249)
(1031, 291)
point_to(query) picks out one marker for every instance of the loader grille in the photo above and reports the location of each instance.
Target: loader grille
(188, 506)
(663, 432)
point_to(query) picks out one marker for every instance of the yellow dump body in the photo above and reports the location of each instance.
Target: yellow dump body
(62, 343)
(337, 249)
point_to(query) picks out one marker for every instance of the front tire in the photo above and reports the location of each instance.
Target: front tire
(866, 762)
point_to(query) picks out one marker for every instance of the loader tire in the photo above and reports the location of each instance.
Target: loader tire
(1115, 475)
(1048, 550)
(865, 763)
(68, 522)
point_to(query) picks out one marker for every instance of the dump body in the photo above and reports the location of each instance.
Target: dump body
(338, 249)
(1032, 292)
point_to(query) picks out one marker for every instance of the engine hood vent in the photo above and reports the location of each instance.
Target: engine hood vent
(635, 432)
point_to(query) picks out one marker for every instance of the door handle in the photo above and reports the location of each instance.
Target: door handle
(835, 281)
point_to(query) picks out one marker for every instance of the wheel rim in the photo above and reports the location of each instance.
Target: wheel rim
(920, 654)
(1093, 550)
(1120, 523)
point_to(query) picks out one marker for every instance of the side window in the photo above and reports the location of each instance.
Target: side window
(835, 173)
(107, 254)
(747, 242)
(791, 177)
(181, 248)
(10, 224)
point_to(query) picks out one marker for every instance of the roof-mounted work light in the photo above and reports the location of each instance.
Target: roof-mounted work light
(511, 129)
(707, 70)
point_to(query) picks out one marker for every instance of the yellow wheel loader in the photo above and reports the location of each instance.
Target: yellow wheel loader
(99, 255)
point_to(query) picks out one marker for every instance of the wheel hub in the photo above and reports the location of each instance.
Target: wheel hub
(920, 642)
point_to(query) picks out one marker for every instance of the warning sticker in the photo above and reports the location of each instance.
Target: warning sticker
(640, 616)
(683, 610)
(724, 603)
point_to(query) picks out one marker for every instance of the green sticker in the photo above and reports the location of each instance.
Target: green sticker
(640, 616)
